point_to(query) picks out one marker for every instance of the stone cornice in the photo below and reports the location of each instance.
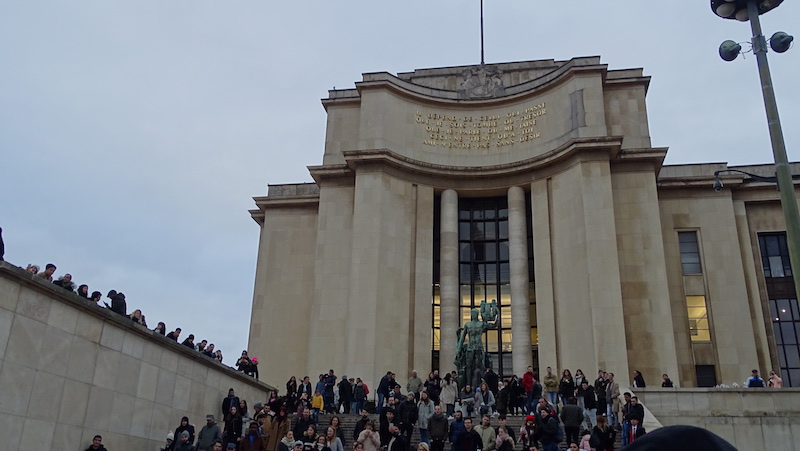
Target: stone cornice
(442, 97)
(356, 158)
(263, 203)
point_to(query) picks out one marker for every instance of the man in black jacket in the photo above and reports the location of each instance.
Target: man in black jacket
(184, 444)
(387, 421)
(118, 304)
(231, 401)
(470, 440)
(437, 429)
(305, 387)
(407, 413)
(97, 444)
(549, 431)
(635, 410)
(360, 424)
(572, 417)
(302, 424)
(345, 394)
(397, 442)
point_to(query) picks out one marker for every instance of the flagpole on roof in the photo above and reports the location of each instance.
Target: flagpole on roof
(482, 62)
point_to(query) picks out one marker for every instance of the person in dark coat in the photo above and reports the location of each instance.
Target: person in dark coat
(174, 337)
(387, 418)
(183, 443)
(457, 428)
(208, 434)
(397, 442)
(345, 394)
(252, 441)
(638, 380)
(189, 342)
(65, 282)
(572, 417)
(437, 429)
(233, 427)
(383, 392)
(302, 424)
(603, 435)
(118, 304)
(97, 444)
(185, 426)
(548, 431)
(305, 387)
(227, 403)
(470, 440)
(492, 380)
(407, 415)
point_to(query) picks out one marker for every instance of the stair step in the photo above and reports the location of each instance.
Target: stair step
(348, 423)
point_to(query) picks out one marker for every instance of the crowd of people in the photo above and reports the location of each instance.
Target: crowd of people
(118, 304)
(587, 415)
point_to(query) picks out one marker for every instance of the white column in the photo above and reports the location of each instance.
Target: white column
(518, 262)
(448, 280)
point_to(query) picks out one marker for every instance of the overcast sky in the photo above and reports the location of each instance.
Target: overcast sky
(133, 135)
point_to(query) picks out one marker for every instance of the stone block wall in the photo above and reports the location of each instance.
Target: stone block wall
(70, 370)
(755, 418)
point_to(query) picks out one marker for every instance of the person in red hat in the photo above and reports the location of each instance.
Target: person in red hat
(528, 433)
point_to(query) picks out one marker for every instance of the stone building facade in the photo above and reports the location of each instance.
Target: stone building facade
(534, 184)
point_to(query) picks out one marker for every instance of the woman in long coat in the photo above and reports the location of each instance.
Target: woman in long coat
(449, 393)
(277, 430)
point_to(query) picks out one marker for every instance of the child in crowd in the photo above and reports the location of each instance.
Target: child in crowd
(316, 405)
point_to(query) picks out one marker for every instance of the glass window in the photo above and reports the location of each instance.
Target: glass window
(503, 251)
(491, 273)
(503, 226)
(463, 228)
(466, 295)
(492, 340)
(505, 295)
(483, 266)
(490, 252)
(699, 329)
(774, 255)
(690, 253)
(505, 273)
(786, 327)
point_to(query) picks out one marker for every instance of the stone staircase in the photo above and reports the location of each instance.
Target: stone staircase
(348, 422)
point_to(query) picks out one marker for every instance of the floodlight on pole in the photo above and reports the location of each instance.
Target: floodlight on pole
(745, 10)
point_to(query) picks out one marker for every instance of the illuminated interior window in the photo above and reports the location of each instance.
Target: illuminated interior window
(484, 274)
(698, 318)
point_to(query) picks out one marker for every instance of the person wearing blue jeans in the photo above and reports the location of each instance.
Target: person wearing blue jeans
(553, 398)
(626, 425)
(379, 405)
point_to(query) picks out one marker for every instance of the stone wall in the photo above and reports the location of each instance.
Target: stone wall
(755, 418)
(70, 370)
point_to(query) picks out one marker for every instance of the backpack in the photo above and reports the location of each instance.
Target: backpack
(560, 435)
(594, 442)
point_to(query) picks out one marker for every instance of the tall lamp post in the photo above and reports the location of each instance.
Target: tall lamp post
(744, 10)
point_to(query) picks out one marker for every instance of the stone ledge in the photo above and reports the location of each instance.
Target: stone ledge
(26, 279)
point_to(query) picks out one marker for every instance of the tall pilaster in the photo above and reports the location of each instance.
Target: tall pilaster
(448, 280)
(518, 262)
